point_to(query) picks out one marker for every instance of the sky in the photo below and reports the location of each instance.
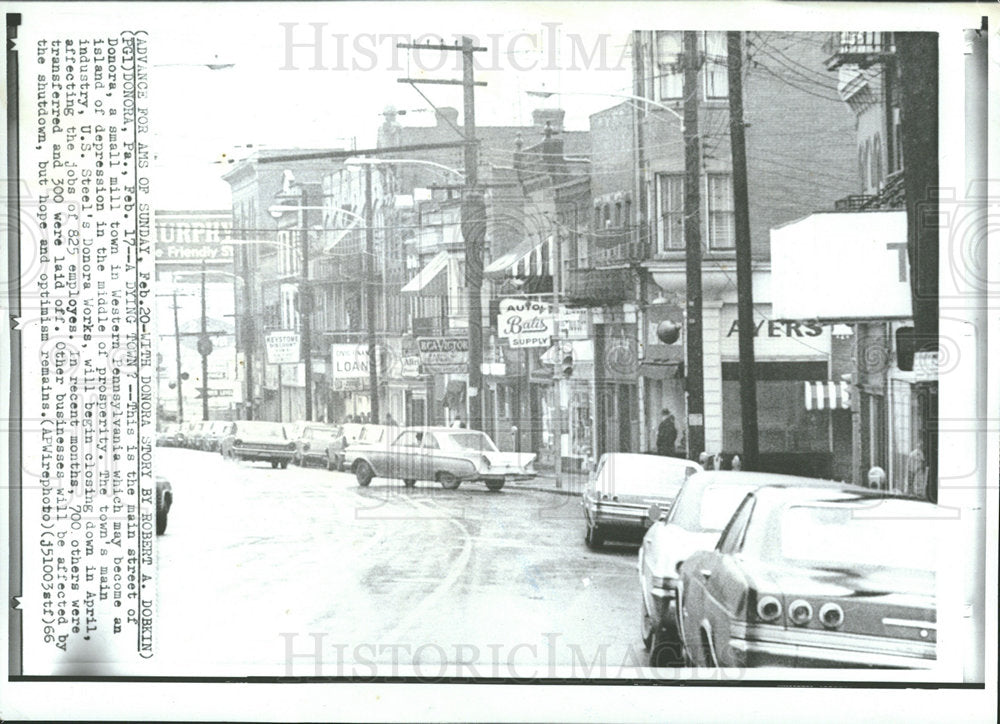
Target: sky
(274, 95)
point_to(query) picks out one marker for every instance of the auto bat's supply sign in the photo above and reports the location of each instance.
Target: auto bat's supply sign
(445, 355)
(283, 348)
(525, 323)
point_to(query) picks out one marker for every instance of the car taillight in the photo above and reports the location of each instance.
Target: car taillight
(831, 615)
(237, 442)
(305, 446)
(800, 612)
(768, 608)
(290, 446)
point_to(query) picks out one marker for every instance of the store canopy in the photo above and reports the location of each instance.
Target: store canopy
(827, 395)
(432, 279)
(525, 260)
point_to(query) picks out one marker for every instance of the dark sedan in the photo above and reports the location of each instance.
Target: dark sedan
(826, 576)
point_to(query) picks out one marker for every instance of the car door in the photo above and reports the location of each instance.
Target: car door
(429, 461)
(400, 455)
(723, 583)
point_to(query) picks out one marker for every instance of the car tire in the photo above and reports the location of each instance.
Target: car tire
(664, 652)
(364, 473)
(448, 481)
(646, 628)
(409, 482)
(283, 464)
(297, 460)
(274, 464)
(329, 463)
(594, 537)
(161, 522)
(494, 486)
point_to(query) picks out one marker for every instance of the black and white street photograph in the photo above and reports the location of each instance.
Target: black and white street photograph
(495, 343)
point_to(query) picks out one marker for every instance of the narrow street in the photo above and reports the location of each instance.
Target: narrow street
(255, 560)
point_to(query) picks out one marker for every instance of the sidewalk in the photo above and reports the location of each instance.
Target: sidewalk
(573, 483)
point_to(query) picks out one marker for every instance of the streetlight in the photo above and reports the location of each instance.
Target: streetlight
(626, 96)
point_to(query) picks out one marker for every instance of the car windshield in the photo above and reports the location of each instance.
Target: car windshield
(471, 441)
(261, 429)
(837, 536)
(709, 508)
(321, 433)
(642, 475)
(371, 433)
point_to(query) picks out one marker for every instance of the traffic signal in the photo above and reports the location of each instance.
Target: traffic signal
(668, 332)
(567, 365)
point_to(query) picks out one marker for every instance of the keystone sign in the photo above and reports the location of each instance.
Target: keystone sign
(283, 348)
(445, 355)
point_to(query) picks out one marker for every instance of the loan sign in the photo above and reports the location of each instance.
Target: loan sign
(445, 355)
(350, 361)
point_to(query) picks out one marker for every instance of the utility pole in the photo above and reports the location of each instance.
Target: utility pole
(204, 348)
(692, 239)
(744, 267)
(473, 216)
(247, 333)
(306, 306)
(557, 377)
(177, 351)
(370, 293)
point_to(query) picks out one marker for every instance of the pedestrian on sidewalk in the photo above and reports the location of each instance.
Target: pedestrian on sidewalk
(666, 434)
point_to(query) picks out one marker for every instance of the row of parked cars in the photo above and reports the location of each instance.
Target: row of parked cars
(740, 569)
(446, 455)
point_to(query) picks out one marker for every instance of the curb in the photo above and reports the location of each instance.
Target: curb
(554, 491)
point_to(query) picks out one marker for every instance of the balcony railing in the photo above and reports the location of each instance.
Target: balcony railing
(857, 47)
(598, 287)
(614, 247)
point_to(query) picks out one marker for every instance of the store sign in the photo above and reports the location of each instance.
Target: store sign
(841, 266)
(193, 237)
(573, 324)
(350, 361)
(792, 339)
(444, 355)
(410, 366)
(283, 348)
(525, 323)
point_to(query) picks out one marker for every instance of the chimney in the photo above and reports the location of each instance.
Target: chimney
(553, 116)
(445, 114)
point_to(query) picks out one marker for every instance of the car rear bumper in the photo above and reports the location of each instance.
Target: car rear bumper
(762, 652)
(502, 477)
(252, 453)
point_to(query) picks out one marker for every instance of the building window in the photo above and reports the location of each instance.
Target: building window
(716, 65)
(721, 223)
(667, 67)
(671, 229)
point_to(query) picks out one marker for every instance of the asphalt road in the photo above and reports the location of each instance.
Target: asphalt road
(301, 572)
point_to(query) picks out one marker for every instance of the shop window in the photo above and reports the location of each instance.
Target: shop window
(669, 75)
(716, 65)
(784, 423)
(670, 233)
(721, 220)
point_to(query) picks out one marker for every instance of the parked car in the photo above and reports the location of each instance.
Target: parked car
(257, 440)
(167, 436)
(813, 577)
(164, 499)
(212, 434)
(313, 441)
(365, 436)
(621, 489)
(186, 434)
(700, 511)
(446, 455)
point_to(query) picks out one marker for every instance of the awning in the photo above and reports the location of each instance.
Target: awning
(827, 395)
(661, 370)
(524, 260)
(432, 279)
(454, 395)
